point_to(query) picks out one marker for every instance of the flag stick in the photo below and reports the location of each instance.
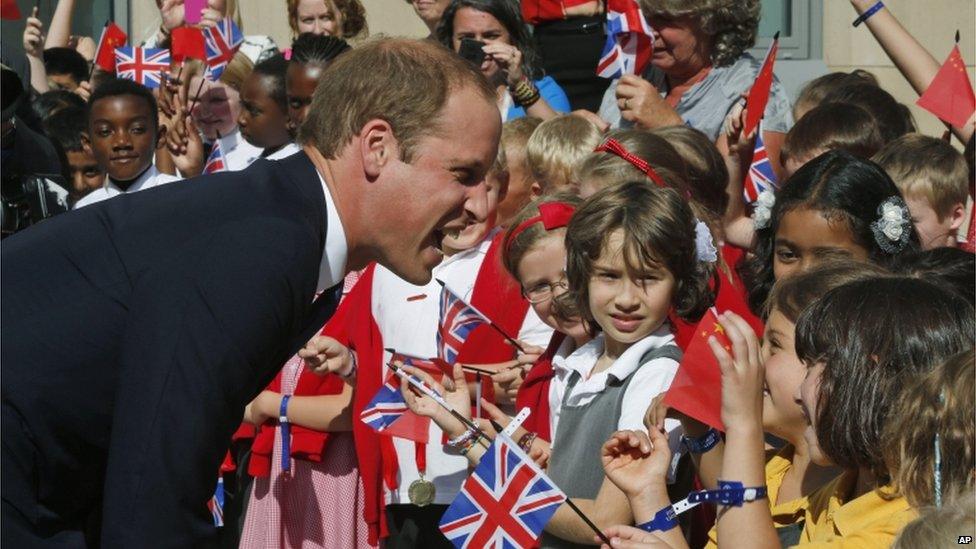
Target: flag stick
(588, 522)
(482, 436)
(479, 371)
(91, 71)
(507, 337)
(196, 96)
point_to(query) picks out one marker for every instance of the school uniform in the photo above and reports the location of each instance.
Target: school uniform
(872, 520)
(537, 393)
(238, 153)
(149, 179)
(595, 405)
(284, 152)
(384, 311)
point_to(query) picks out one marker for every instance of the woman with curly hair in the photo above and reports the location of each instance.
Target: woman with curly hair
(699, 70)
(344, 19)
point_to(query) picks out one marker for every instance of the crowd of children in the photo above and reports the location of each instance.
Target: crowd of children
(844, 299)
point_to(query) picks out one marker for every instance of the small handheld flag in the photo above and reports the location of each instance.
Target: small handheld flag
(216, 503)
(950, 94)
(630, 40)
(697, 387)
(142, 65)
(457, 321)
(760, 176)
(112, 37)
(9, 10)
(386, 407)
(215, 162)
(187, 43)
(221, 42)
(506, 502)
(758, 96)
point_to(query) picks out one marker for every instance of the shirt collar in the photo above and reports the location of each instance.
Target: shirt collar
(333, 267)
(140, 182)
(583, 359)
(872, 507)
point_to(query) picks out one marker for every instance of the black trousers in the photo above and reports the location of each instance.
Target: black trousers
(570, 52)
(414, 527)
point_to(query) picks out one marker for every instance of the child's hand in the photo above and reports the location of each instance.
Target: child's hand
(265, 406)
(742, 373)
(83, 90)
(629, 537)
(531, 355)
(324, 355)
(455, 393)
(172, 13)
(593, 118)
(507, 383)
(210, 17)
(84, 45)
(634, 462)
(34, 36)
(740, 146)
(658, 411)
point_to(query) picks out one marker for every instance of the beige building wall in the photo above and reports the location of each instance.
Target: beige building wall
(932, 22)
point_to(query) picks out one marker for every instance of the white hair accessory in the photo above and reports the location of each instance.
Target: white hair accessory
(704, 245)
(892, 230)
(762, 211)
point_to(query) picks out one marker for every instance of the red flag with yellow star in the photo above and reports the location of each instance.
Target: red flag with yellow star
(112, 37)
(950, 94)
(696, 390)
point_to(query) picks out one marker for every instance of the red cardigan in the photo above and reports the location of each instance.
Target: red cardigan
(534, 392)
(495, 294)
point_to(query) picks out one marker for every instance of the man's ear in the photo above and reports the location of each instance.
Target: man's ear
(956, 216)
(160, 137)
(378, 146)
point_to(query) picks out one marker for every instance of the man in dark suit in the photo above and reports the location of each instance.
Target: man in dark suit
(136, 330)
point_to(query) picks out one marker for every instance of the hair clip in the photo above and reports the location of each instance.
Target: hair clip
(613, 146)
(553, 215)
(892, 229)
(704, 244)
(762, 209)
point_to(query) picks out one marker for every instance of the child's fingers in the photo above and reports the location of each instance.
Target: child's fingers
(721, 356)
(495, 413)
(752, 342)
(740, 348)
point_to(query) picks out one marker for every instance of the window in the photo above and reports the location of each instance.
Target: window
(800, 24)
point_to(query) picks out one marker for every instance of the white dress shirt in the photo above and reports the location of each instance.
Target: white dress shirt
(407, 317)
(149, 178)
(332, 270)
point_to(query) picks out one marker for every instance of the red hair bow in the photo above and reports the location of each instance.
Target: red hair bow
(553, 215)
(613, 146)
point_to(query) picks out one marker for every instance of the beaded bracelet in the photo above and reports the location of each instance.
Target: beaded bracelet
(471, 435)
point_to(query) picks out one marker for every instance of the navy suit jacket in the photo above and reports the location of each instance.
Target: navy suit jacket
(136, 330)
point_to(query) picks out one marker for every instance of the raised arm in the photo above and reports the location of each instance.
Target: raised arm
(60, 31)
(915, 63)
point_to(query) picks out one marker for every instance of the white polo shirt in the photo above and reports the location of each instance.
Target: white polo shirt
(149, 178)
(407, 317)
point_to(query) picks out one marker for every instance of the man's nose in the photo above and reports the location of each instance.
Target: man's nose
(477, 202)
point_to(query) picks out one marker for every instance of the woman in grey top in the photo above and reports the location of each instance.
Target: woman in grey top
(699, 71)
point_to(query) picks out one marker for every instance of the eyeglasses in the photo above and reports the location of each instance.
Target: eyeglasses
(543, 291)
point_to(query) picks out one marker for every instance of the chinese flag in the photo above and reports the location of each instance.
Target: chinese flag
(187, 43)
(759, 93)
(697, 387)
(112, 37)
(950, 94)
(9, 10)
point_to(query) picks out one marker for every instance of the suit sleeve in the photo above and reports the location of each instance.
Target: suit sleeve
(204, 337)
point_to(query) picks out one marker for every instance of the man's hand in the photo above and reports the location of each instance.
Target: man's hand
(324, 355)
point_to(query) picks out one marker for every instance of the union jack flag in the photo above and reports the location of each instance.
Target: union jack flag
(216, 504)
(221, 43)
(458, 320)
(630, 40)
(215, 162)
(760, 176)
(506, 502)
(386, 407)
(143, 65)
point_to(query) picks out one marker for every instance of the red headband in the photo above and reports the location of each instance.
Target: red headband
(614, 147)
(553, 215)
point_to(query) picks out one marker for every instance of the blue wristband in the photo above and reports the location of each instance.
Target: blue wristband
(285, 433)
(703, 443)
(729, 493)
(663, 520)
(868, 13)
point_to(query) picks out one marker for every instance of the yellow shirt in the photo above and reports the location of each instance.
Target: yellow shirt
(835, 521)
(784, 514)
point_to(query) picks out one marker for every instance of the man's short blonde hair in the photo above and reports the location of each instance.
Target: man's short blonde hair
(557, 146)
(405, 82)
(928, 168)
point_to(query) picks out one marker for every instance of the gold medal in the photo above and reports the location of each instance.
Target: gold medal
(421, 492)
